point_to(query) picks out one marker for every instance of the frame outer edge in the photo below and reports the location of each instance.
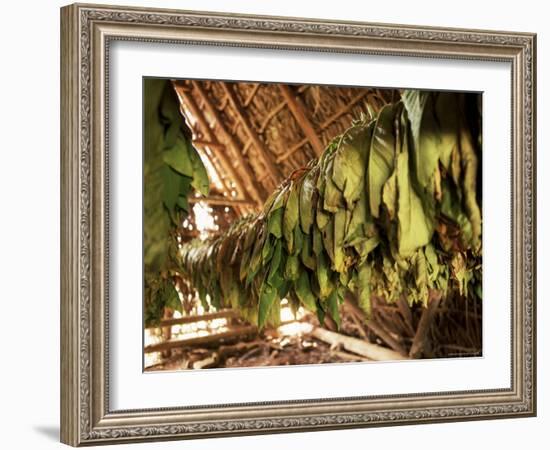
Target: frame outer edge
(70, 299)
(79, 336)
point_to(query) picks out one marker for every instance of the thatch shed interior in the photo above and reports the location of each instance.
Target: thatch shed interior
(251, 137)
(254, 135)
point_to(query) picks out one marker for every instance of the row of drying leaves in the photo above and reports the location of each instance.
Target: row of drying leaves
(390, 209)
(172, 169)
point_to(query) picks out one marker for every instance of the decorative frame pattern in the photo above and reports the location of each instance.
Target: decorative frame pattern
(86, 32)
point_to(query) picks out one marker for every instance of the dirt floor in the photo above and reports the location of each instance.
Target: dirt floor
(272, 347)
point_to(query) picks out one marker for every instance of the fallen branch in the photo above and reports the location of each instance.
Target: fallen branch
(206, 363)
(373, 352)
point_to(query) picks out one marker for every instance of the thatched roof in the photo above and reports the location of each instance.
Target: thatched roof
(254, 135)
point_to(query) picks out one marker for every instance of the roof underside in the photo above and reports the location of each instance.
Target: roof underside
(252, 136)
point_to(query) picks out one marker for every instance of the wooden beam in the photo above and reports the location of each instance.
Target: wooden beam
(272, 114)
(209, 134)
(215, 145)
(237, 332)
(268, 160)
(246, 171)
(223, 314)
(252, 94)
(298, 110)
(292, 150)
(229, 201)
(344, 110)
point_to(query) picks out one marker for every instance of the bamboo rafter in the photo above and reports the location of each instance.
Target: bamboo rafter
(247, 171)
(352, 103)
(221, 156)
(251, 95)
(298, 110)
(228, 201)
(274, 171)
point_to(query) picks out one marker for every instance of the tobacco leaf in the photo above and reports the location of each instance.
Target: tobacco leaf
(414, 227)
(267, 297)
(291, 217)
(307, 190)
(381, 157)
(303, 292)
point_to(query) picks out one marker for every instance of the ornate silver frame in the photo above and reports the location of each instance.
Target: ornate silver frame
(86, 31)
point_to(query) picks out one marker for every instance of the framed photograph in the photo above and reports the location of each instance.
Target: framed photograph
(276, 224)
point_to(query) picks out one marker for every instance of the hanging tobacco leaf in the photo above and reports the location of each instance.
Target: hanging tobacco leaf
(389, 210)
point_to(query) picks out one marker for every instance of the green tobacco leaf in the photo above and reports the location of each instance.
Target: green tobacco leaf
(275, 222)
(280, 199)
(320, 312)
(363, 288)
(333, 303)
(389, 195)
(317, 241)
(268, 249)
(200, 177)
(363, 247)
(328, 240)
(292, 267)
(307, 255)
(306, 201)
(303, 292)
(333, 198)
(381, 157)
(323, 276)
(171, 188)
(350, 163)
(290, 219)
(470, 163)
(421, 275)
(298, 239)
(268, 295)
(177, 157)
(432, 263)
(414, 229)
(434, 120)
(275, 261)
(339, 234)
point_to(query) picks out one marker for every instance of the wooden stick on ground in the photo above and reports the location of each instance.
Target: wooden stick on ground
(419, 341)
(357, 346)
(210, 361)
(234, 333)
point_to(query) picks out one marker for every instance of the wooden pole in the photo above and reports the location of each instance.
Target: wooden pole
(223, 314)
(272, 168)
(344, 110)
(229, 201)
(298, 110)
